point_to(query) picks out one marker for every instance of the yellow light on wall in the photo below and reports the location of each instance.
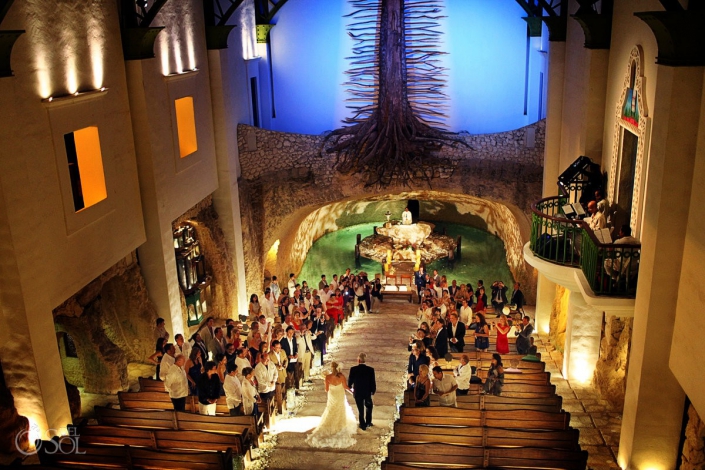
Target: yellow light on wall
(85, 163)
(186, 126)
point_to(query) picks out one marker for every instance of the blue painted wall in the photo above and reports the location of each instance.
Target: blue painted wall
(487, 61)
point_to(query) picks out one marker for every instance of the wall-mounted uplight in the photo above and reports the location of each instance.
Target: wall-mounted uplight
(182, 74)
(75, 97)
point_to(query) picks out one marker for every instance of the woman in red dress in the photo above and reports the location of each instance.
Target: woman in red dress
(502, 330)
(334, 306)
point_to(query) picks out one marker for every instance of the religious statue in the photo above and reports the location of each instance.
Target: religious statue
(406, 217)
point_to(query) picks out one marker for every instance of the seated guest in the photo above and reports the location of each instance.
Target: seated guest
(233, 390)
(495, 376)
(463, 373)
(444, 385)
(176, 383)
(208, 389)
(523, 333)
(422, 387)
(416, 359)
(597, 220)
(621, 266)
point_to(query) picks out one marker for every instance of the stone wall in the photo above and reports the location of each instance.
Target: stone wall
(204, 219)
(693, 457)
(12, 424)
(610, 378)
(559, 318)
(112, 322)
(292, 194)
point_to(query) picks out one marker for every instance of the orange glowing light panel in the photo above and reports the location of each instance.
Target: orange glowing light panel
(186, 126)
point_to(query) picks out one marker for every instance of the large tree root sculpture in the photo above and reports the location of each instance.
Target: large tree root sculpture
(396, 87)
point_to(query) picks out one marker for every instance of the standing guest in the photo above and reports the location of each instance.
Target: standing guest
(422, 387)
(456, 333)
(167, 360)
(463, 373)
(495, 376)
(230, 354)
(523, 333)
(254, 309)
(242, 361)
(319, 330)
(499, 297)
(194, 369)
(176, 384)
(322, 283)
(291, 285)
(444, 385)
(334, 283)
(233, 391)
(416, 358)
(441, 340)
(274, 286)
(207, 333)
(278, 358)
(156, 358)
(420, 282)
(376, 295)
(502, 331)
(254, 345)
(433, 356)
(359, 289)
(182, 347)
(481, 300)
(221, 369)
(208, 389)
(268, 307)
(198, 343)
(250, 398)
(482, 333)
(160, 330)
(465, 313)
(304, 345)
(334, 307)
(266, 375)
(290, 347)
(517, 298)
(218, 344)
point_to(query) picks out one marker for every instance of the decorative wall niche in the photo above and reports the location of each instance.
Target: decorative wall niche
(631, 136)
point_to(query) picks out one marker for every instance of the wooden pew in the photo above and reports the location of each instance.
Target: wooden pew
(148, 384)
(164, 439)
(178, 420)
(414, 456)
(552, 404)
(507, 419)
(487, 437)
(479, 355)
(520, 390)
(161, 401)
(485, 363)
(130, 457)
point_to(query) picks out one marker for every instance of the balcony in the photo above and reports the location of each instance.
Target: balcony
(608, 269)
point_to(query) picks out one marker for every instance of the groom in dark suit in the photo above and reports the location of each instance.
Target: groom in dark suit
(362, 383)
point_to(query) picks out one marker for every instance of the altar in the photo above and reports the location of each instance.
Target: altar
(407, 235)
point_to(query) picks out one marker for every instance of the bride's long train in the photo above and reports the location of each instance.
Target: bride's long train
(338, 423)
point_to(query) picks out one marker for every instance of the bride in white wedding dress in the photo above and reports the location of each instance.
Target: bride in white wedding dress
(338, 423)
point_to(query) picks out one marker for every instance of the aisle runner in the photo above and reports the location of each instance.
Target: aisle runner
(384, 337)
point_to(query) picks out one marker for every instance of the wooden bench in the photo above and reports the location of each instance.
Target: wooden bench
(486, 437)
(148, 384)
(456, 456)
(474, 355)
(408, 293)
(165, 439)
(161, 401)
(129, 457)
(508, 419)
(178, 420)
(493, 403)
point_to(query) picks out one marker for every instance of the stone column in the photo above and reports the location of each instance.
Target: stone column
(545, 293)
(227, 197)
(554, 117)
(582, 340)
(654, 401)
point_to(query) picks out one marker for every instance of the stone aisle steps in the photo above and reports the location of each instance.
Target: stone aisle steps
(384, 337)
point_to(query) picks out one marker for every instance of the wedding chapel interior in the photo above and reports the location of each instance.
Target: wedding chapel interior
(168, 158)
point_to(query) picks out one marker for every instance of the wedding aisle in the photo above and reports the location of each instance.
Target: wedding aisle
(384, 337)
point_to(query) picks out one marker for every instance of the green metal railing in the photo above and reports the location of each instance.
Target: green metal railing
(554, 237)
(610, 269)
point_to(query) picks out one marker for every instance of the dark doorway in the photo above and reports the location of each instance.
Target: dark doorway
(414, 207)
(627, 167)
